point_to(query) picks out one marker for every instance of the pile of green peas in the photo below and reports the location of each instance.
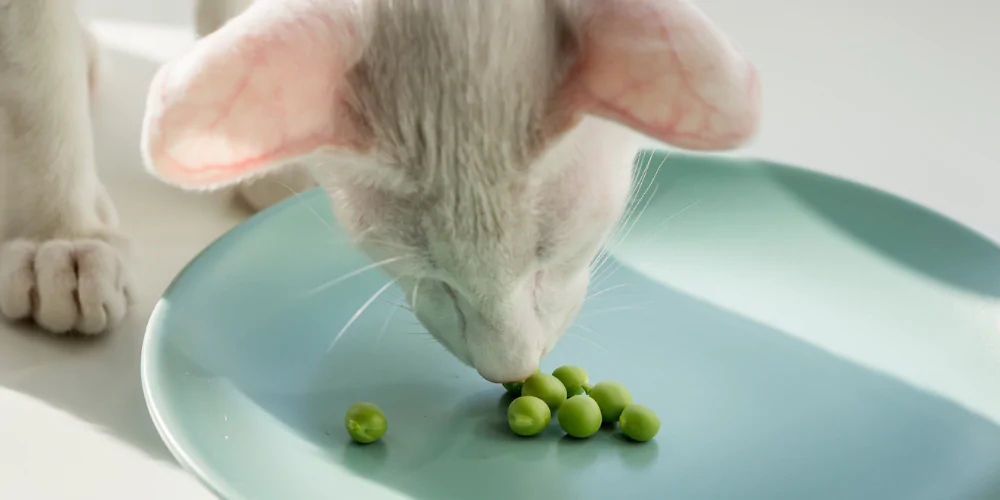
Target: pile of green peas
(582, 408)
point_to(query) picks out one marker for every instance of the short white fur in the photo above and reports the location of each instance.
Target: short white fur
(466, 136)
(484, 147)
(63, 261)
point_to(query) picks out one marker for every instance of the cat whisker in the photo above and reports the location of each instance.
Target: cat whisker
(416, 289)
(632, 201)
(297, 196)
(638, 216)
(604, 276)
(606, 290)
(360, 237)
(636, 201)
(389, 301)
(358, 314)
(603, 254)
(585, 339)
(666, 221)
(395, 303)
(613, 309)
(352, 274)
(589, 330)
(385, 325)
(601, 278)
(617, 235)
(385, 243)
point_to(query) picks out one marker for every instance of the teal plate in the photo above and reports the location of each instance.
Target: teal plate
(702, 314)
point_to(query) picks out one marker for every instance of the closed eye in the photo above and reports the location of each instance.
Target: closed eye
(458, 308)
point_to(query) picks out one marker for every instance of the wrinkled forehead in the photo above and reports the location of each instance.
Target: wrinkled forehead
(458, 95)
(481, 230)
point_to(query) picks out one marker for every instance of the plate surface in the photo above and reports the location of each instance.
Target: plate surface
(731, 265)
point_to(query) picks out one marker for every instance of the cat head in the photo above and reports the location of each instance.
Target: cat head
(478, 148)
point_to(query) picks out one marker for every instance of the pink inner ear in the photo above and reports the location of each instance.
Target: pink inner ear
(661, 68)
(265, 89)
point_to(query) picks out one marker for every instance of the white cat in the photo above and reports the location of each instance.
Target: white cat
(63, 261)
(482, 149)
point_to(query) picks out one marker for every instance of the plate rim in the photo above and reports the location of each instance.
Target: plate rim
(152, 339)
(152, 336)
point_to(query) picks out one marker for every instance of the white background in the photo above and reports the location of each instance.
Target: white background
(899, 94)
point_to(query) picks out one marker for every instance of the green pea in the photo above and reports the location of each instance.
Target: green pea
(580, 416)
(515, 387)
(547, 388)
(639, 423)
(612, 397)
(573, 377)
(365, 422)
(528, 415)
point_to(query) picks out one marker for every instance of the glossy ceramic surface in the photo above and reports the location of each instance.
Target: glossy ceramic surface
(733, 263)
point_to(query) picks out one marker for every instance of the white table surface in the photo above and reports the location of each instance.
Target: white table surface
(899, 94)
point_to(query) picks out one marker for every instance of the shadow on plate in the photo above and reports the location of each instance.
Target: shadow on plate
(912, 235)
(907, 233)
(748, 412)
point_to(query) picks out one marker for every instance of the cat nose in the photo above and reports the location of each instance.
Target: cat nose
(505, 366)
(503, 346)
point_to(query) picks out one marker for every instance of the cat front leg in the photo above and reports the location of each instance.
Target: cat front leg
(63, 260)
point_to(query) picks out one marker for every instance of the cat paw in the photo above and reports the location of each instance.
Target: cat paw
(64, 286)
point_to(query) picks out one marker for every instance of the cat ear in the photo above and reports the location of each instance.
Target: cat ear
(265, 89)
(663, 69)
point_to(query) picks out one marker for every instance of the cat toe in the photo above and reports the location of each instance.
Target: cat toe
(17, 279)
(64, 286)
